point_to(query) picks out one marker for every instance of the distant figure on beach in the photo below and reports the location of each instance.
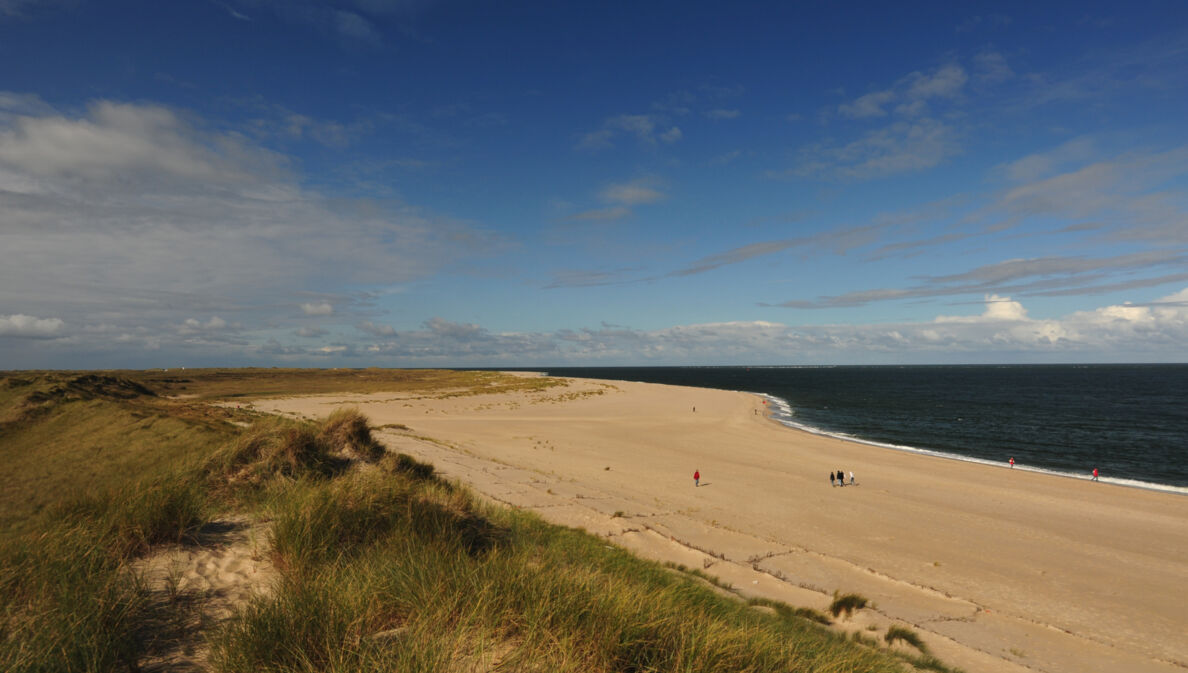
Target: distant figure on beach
(851, 477)
(697, 477)
(1012, 462)
(831, 478)
(841, 478)
(1095, 474)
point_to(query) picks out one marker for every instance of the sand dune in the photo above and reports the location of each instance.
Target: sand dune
(998, 569)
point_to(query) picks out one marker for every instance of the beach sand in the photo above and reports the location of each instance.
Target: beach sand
(997, 569)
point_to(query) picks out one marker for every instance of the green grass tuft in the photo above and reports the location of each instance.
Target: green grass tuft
(906, 635)
(347, 433)
(847, 603)
(275, 447)
(788, 612)
(132, 519)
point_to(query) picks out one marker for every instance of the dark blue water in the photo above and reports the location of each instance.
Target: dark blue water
(1130, 421)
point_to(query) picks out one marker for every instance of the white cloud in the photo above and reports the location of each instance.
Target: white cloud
(1046, 276)
(867, 106)
(18, 325)
(997, 309)
(1002, 331)
(902, 147)
(373, 329)
(119, 141)
(1043, 164)
(631, 193)
(910, 94)
(1136, 196)
(215, 323)
(142, 216)
(317, 308)
(355, 27)
(645, 128)
(916, 139)
(992, 67)
(946, 82)
(621, 198)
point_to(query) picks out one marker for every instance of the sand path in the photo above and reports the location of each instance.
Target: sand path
(998, 569)
(198, 585)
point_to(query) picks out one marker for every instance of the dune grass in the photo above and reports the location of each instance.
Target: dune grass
(846, 603)
(383, 565)
(404, 574)
(67, 604)
(905, 635)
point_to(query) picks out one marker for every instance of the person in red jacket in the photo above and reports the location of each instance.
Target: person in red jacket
(696, 477)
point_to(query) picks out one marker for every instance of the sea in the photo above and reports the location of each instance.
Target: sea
(1129, 421)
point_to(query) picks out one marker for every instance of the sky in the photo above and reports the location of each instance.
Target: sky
(467, 183)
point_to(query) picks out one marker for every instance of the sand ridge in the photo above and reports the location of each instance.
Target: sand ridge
(998, 569)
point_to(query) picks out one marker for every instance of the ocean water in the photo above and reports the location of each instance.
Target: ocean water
(1129, 421)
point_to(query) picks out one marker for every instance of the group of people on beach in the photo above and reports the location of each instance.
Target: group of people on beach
(840, 478)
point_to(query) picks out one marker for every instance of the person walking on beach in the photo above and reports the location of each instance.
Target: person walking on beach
(1095, 474)
(696, 478)
(851, 477)
(841, 478)
(831, 479)
(1012, 462)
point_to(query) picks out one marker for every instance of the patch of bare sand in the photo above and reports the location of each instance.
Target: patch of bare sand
(998, 570)
(196, 586)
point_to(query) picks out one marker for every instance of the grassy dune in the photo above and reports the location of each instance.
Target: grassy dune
(382, 565)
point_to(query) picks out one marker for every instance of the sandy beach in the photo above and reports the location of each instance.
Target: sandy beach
(997, 569)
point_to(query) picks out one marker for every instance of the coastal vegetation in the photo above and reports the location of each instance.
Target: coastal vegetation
(846, 603)
(380, 564)
(906, 635)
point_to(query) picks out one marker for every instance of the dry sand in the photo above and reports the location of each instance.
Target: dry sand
(997, 569)
(214, 575)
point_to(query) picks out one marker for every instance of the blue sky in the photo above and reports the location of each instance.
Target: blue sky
(463, 183)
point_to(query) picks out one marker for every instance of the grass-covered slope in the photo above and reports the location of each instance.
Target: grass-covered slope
(382, 565)
(63, 435)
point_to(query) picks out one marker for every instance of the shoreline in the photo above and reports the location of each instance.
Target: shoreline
(997, 569)
(812, 430)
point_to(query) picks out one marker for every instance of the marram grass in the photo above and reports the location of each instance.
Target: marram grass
(383, 567)
(388, 573)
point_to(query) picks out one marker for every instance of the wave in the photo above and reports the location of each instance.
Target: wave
(782, 412)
